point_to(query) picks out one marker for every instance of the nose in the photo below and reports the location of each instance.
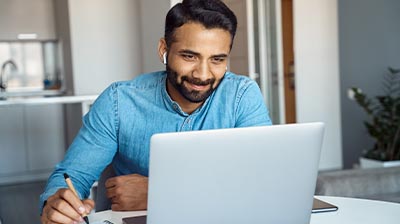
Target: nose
(202, 71)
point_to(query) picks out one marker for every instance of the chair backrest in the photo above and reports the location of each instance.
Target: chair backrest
(100, 198)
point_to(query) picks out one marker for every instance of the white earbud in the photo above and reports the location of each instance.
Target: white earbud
(165, 58)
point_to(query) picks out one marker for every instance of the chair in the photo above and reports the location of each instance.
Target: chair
(99, 191)
(377, 183)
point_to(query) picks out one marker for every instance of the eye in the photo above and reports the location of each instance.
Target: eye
(188, 57)
(218, 60)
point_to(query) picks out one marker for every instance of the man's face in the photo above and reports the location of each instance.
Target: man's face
(197, 61)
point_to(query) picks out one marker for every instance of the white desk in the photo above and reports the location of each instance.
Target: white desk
(351, 210)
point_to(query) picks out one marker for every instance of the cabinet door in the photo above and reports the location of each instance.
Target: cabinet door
(45, 136)
(12, 141)
(26, 17)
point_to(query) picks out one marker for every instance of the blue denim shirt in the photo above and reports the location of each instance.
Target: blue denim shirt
(120, 123)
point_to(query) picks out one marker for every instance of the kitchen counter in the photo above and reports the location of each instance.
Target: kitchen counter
(47, 100)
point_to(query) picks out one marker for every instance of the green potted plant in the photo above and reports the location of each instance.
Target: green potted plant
(383, 123)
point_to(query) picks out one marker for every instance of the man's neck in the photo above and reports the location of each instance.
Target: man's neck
(186, 106)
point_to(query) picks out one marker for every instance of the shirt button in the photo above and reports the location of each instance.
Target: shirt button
(175, 106)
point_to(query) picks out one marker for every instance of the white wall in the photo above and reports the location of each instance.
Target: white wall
(152, 21)
(105, 43)
(174, 2)
(239, 57)
(317, 72)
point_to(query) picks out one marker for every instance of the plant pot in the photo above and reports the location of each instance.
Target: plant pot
(371, 163)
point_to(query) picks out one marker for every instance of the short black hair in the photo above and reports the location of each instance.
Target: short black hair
(209, 13)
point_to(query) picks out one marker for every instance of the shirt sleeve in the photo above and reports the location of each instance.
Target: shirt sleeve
(251, 109)
(92, 149)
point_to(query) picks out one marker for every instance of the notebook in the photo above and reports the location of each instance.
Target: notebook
(104, 222)
(242, 175)
(134, 220)
(323, 206)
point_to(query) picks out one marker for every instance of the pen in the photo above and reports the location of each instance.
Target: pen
(72, 188)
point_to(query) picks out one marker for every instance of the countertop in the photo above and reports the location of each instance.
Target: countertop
(47, 100)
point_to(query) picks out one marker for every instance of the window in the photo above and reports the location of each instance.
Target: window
(38, 67)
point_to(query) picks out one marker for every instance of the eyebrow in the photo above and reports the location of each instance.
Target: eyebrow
(186, 51)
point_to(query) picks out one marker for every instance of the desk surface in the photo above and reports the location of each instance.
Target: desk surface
(351, 210)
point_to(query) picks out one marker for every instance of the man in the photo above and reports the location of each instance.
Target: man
(194, 93)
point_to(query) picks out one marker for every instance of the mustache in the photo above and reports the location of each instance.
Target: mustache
(198, 82)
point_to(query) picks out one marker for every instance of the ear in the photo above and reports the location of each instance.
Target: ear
(162, 48)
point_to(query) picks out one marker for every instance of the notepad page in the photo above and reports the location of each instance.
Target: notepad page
(102, 222)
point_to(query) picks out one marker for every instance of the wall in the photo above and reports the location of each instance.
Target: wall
(239, 55)
(317, 73)
(174, 2)
(152, 22)
(104, 43)
(63, 36)
(369, 43)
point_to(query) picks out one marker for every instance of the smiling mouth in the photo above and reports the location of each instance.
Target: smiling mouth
(198, 87)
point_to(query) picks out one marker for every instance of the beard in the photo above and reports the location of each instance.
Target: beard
(193, 96)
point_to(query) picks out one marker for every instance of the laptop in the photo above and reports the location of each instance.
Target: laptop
(242, 175)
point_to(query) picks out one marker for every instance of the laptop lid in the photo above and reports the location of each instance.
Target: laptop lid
(242, 175)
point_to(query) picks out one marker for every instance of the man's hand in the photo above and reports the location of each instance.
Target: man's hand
(65, 207)
(128, 192)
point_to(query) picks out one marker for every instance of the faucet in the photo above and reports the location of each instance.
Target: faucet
(3, 79)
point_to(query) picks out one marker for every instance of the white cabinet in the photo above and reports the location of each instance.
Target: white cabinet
(27, 17)
(32, 141)
(33, 135)
(44, 136)
(12, 142)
